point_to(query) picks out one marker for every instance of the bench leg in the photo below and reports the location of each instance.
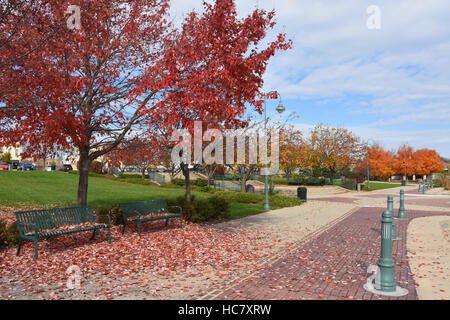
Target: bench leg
(123, 229)
(93, 235)
(19, 246)
(35, 249)
(109, 234)
(181, 222)
(139, 229)
(167, 221)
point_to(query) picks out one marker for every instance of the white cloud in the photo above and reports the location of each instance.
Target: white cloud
(402, 70)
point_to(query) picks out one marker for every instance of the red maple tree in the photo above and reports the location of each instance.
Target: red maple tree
(127, 70)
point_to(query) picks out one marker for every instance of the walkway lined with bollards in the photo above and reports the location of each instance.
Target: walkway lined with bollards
(334, 264)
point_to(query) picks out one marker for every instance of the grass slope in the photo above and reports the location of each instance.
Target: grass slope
(53, 189)
(380, 186)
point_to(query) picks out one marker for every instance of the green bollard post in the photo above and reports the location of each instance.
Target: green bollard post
(390, 207)
(385, 281)
(423, 188)
(401, 210)
(419, 186)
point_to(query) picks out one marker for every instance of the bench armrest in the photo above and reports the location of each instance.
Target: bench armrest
(32, 226)
(104, 215)
(180, 211)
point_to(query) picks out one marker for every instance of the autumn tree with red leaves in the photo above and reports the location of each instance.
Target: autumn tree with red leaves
(137, 152)
(127, 70)
(216, 69)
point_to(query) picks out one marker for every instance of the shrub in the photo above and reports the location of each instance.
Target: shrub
(113, 211)
(295, 182)
(95, 167)
(178, 182)
(6, 157)
(279, 180)
(198, 211)
(443, 181)
(316, 182)
(203, 189)
(241, 197)
(9, 236)
(199, 183)
(280, 201)
(130, 176)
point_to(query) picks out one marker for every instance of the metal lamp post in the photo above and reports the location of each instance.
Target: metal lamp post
(368, 170)
(406, 171)
(280, 109)
(368, 166)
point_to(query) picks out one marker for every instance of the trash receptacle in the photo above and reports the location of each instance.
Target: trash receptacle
(302, 194)
(403, 183)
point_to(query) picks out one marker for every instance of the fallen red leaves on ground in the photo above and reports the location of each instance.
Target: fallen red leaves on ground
(161, 250)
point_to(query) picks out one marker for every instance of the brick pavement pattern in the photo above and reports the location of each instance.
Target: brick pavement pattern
(333, 265)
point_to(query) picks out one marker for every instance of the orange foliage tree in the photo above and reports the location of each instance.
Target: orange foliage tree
(381, 162)
(293, 151)
(333, 148)
(404, 161)
(427, 161)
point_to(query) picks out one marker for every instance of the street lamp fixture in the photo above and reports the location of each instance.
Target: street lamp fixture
(280, 109)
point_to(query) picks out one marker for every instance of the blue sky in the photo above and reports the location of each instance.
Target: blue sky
(391, 85)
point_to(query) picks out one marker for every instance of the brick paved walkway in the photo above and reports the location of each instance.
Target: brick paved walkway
(333, 264)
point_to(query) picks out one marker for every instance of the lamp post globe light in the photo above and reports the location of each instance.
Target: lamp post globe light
(280, 109)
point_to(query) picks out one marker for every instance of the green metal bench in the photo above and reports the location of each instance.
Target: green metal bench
(47, 223)
(143, 211)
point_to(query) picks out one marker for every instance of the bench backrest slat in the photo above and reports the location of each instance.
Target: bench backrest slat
(54, 218)
(132, 209)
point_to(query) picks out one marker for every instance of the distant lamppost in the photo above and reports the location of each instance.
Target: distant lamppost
(368, 164)
(280, 109)
(406, 172)
(368, 169)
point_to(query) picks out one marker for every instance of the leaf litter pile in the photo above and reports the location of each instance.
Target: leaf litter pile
(161, 253)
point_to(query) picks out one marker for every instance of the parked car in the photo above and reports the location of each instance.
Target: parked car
(4, 166)
(67, 167)
(25, 166)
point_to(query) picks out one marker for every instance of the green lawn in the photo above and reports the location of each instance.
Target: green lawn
(53, 189)
(241, 210)
(381, 185)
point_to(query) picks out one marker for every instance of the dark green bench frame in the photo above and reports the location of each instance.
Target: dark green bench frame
(32, 224)
(143, 210)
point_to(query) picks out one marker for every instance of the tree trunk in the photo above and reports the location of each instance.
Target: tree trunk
(243, 184)
(187, 178)
(143, 172)
(332, 176)
(288, 176)
(83, 167)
